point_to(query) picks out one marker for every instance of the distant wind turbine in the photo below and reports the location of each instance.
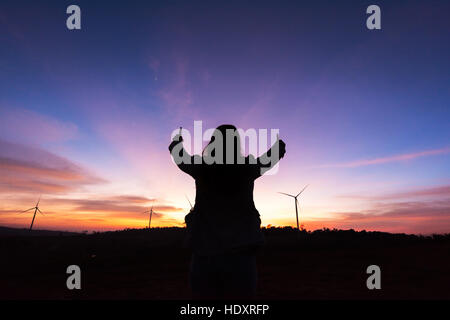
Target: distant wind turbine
(36, 209)
(296, 202)
(150, 218)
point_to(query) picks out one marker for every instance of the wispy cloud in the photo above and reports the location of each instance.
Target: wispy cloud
(117, 206)
(419, 210)
(176, 94)
(439, 191)
(411, 217)
(383, 160)
(133, 199)
(101, 212)
(23, 125)
(31, 169)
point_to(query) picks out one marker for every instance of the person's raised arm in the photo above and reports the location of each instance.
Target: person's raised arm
(180, 156)
(269, 159)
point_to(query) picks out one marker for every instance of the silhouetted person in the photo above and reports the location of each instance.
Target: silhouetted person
(224, 226)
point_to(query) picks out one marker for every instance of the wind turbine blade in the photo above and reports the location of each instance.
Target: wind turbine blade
(188, 201)
(287, 194)
(25, 211)
(302, 190)
(41, 212)
(37, 203)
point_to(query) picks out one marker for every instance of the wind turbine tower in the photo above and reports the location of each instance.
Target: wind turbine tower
(150, 216)
(296, 203)
(36, 209)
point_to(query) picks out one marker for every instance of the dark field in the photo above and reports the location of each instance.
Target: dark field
(152, 264)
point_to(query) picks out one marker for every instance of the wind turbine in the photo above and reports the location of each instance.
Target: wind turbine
(36, 209)
(296, 202)
(151, 213)
(189, 202)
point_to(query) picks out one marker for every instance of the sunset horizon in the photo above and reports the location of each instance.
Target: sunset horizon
(101, 212)
(86, 115)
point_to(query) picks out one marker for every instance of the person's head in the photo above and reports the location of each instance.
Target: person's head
(225, 145)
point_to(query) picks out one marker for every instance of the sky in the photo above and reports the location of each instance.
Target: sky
(86, 115)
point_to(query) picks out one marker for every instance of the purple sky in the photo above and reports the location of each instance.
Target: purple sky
(86, 115)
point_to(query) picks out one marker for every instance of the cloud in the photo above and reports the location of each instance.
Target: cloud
(132, 199)
(99, 213)
(22, 125)
(175, 93)
(116, 205)
(383, 160)
(424, 217)
(424, 210)
(439, 191)
(435, 191)
(31, 169)
(405, 209)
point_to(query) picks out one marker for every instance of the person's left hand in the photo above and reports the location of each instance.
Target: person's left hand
(282, 147)
(176, 140)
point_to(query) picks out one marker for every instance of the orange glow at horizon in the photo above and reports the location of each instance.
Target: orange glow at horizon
(102, 220)
(112, 197)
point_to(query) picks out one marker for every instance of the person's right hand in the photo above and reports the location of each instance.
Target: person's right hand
(282, 147)
(176, 140)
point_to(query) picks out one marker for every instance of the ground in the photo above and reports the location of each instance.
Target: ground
(153, 264)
